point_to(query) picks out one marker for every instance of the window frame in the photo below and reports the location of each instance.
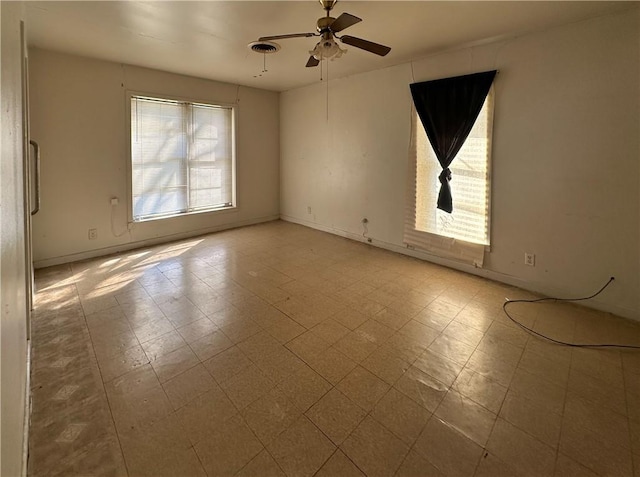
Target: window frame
(130, 94)
(432, 242)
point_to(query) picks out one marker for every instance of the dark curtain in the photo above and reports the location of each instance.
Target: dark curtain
(448, 108)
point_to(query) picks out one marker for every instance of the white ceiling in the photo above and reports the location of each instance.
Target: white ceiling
(209, 39)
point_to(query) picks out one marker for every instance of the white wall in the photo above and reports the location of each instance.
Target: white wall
(79, 118)
(13, 306)
(566, 159)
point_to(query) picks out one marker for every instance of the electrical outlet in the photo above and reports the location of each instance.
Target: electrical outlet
(308, 209)
(114, 201)
(530, 259)
(93, 234)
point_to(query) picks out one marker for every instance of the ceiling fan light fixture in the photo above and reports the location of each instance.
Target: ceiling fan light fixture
(327, 49)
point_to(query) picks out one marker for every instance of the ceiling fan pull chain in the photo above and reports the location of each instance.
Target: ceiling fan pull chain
(327, 61)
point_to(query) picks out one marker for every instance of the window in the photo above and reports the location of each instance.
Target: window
(465, 232)
(182, 157)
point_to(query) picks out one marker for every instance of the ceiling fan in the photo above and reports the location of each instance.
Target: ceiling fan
(327, 28)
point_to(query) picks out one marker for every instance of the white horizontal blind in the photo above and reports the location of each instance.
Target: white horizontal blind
(465, 232)
(181, 157)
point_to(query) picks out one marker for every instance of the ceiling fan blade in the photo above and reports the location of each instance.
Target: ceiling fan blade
(284, 37)
(344, 21)
(312, 61)
(365, 45)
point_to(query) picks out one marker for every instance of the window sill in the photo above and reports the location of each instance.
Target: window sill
(218, 211)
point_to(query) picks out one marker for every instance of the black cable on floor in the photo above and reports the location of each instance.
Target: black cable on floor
(575, 345)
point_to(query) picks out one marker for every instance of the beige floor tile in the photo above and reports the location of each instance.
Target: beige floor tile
(330, 330)
(241, 329)
(339, 465)
(211, 345)
(391, 319)
(633, 402)
(555, 352)
(227, 364)
(304, 388)
(355, 346)
(302, 449)
(153, 330)
(567, 467)
(284, 329)
(521, 451)
(609, 425)
(439, 367)
(467, 417)
(513, 335)
(161, 449)
(110, 345)
(539, 389)
(122, 363)
(183, 317)
(174, 363)
(405, 347)
(480, 389)
(444, 308)
(202, 416)
(270, 415)
(162, 345)
(363, 305)
(419, 332)
(448, 450)
(414, 465)
(402, 416)
(491, 466)
(433, 319)
(428, 392)
(630, 361)
(261, 465)
(635, 436)
(597, 391)
(142, 378)
(374, 449)
(475, 318)
(590, 450)
(335, 415)
(280, 364)
(363, 388)
(496, 368)
(138, 408)
(374, 331)
(452, 349)
(546, 368)
(463, 333)
(385, 364)
(229, 448)
(332, 365)
(197, 330)
(260, 345)
(247, 386)
(603, 365)
(188, 385)
(532, 417)
(350, 318)
(307, 345)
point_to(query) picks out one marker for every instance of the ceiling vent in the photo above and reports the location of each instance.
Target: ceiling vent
(264, 46)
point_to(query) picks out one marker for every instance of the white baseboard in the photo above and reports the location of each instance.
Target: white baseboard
(27, 414)
(535, 287)
(101, 252)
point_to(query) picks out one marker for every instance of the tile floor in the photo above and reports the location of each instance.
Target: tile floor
(279, 350)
